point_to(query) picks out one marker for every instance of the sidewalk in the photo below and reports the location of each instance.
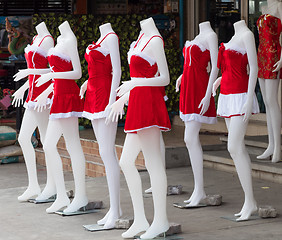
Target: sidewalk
(29, 221)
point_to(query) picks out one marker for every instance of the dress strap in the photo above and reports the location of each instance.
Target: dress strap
(108, 35)
(44, 38)
(138, 40)
(151, 39)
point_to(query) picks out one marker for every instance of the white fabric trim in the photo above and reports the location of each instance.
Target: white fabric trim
(64, 115)
(197, 118)
(36, 49)
(165, 98)
(163, 129)
(53, 51)
(102, 50)
(92, 116)
(32, 104)
(147, 58)
(234, 48)
(197, 43)
(232, 104)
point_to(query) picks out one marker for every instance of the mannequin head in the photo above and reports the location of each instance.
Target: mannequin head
(65, 29)
(148, 26)
(41, 29)
(105, 28)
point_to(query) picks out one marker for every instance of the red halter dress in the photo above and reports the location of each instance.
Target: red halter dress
(234, 83)
(146, 105)
(66, 100)
(36, 58)
(269, 49)
(99, 82)
(194, 84)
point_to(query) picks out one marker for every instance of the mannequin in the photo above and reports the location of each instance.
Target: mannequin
(66, 108)
(270, 62)
(237, 102)
(148, 68)
(104, 55)
(36, 57)
(196, 102)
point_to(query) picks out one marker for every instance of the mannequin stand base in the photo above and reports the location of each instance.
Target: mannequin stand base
(233, 218)
(186, 206)
(96, 227)
(163, 238)
(91, 207)
(50, 199)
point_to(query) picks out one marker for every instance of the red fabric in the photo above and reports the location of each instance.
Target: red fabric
(66, 92)
(194, 81)
(269, 49)
(233, 66)
(36, 61)
(146, 106)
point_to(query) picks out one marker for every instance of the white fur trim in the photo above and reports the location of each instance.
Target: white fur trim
(102, 50)
(165, 98)
(234, 48)
(197, 118)
(65, 115)
(232, 104)
(92, 116)
(55, 52)
(32, 104)
(163, 129)
(195, 42)
(147, 58)
(36, 49)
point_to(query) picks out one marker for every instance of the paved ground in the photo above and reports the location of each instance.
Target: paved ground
(29, 221)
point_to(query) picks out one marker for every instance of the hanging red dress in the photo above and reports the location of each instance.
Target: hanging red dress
(234, 83)
(66, 101)
(269, 49)
(146, 105)
(194, 84)
(36, 58)
(99, 82)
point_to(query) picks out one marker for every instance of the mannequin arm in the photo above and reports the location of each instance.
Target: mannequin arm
(178, 83)
(22, 73)
(42, 99)
(278, 65)
(19, 94)
(70, 49)
(215, 86)
(156, 50)
(249, 42)
(213, 48)
(117, 109)
(83, 89)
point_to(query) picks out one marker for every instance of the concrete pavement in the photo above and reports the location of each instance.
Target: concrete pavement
(29, 221)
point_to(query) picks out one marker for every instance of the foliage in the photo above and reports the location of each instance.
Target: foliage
(86, 29)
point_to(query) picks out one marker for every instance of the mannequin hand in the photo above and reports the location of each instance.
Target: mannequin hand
(215, 86)
(178, 82)
(116, 111)
(125, 87)
(205, 103)
(18, 97)
(41, 102)
(277, 66)
(247, 109)
(43, 79)
(21, 74)
(83, 89)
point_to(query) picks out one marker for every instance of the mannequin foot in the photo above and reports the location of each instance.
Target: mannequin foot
(76, 204)
(111, 220)
(58, 204)
(103, 221)
(136, 228)
(276, 157)
(149, 190)
(246, 212)
(46, 193)
(29, 192)
(267, 153)
(195, 198)
(154, 230)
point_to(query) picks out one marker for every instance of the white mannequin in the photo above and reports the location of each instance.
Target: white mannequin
(147, 140)
(106, 134)
(66, 44)
(207, 38)
(237, 125)
(32, 119)
(269, 89)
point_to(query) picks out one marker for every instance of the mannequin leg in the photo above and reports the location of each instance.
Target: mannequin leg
(54, 132)
(106, 135)
(150, 145)
(194, 147)
(269, 88)
(236, 147)
(29, 124)
(162, 144)
(129, 154)
(70, 130)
